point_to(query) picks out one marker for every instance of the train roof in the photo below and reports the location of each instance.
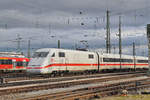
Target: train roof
(103, 54)
(123, 56)
(11, 54)
(58, 49)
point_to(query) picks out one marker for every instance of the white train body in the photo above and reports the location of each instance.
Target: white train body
(49, 60)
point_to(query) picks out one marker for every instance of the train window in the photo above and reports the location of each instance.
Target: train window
(142, 61)
(9, 61)
(19, 63)
(61, 54)
(40, 54)
(91, 56)
(4, 62)
(106, 59)
(24, 63)
(27, 63)
(126, 60)
(116, 60)
(110, 60)
(35, 55)
(53, 55)
(0, 61)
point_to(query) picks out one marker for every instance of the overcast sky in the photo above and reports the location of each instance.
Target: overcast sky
(45, 22)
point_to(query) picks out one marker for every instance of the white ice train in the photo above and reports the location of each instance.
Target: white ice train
(52, 60)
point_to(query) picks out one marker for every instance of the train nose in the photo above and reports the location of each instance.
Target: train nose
(33, 70)
(34, 66)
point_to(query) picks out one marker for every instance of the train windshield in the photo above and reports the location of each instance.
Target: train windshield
(40, 54)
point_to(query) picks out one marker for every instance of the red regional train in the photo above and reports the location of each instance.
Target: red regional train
(12, 62)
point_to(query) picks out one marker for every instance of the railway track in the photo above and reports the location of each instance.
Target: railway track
(65, 83)
(107, 89)
(23, 77)
(12, 74)
(46, 80)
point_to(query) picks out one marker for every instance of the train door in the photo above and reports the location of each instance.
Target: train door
(92, 61)
(66, 62)
(98, 62)
(14, 63)
(24, 63)
(62, 61)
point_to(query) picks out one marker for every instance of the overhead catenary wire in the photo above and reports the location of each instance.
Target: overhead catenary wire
(92, 18)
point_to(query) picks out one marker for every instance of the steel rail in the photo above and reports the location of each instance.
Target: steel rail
(42, 86)
(98, 91)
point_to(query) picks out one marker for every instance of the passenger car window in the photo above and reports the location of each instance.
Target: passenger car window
(53, 55)
(91, 56)
(19, 63)
(116, 60)
(7, 62)
(40, 54)
(61, 54)
(142, 61)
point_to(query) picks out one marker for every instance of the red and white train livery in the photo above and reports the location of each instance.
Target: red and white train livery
(51, 60)
(11, 61)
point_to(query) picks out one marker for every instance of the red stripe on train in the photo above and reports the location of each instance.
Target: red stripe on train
(11, 67)
(85, 65)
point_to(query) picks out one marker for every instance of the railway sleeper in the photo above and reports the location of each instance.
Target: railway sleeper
(111, 92)
(105, 91)
(68, 84)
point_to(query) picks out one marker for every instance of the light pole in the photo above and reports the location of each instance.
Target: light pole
(148, 37)
(134, 56)
(108, 50)
(120, 42)
(29, 48)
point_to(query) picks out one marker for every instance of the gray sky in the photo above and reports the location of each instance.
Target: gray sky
(46, 21)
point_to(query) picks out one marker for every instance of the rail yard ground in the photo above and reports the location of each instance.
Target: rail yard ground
(74, 88)
(129, 97)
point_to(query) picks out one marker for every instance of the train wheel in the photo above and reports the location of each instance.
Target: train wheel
(52, 75)
(62, 74)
